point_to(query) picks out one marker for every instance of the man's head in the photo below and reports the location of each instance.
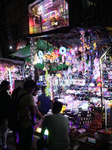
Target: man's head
(57, 106)
(5, 85)
(35, 91)
(43, 89)
(29, 86)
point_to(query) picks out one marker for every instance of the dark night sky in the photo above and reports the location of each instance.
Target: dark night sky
(80, 14)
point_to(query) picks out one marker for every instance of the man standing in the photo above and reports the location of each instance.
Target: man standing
(57, 126)
(27, 115)
(44, 102)
(38, 113)
(5, 101)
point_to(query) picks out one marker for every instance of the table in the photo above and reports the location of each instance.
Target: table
(84, 144)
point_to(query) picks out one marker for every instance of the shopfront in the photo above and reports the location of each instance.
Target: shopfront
(76, 71)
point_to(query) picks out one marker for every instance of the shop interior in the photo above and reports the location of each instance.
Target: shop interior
(76, 68)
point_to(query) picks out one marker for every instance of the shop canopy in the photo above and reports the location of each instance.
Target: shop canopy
(54, 67)
(40, 45)
(70, 39)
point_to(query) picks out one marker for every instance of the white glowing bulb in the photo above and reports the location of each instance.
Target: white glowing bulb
(46, 132)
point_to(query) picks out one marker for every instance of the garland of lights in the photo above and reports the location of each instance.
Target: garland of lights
(32, 51)
(10, 73)
(47, 91)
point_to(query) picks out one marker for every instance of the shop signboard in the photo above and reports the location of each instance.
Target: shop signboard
(46, 15)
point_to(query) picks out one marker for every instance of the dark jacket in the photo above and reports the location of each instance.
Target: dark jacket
(5, 101)
(45, 103)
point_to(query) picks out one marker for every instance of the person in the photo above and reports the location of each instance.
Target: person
(44, 102)
(38, 113)
(27, 115)
(13, 114)
(58, 127)
(5, 101)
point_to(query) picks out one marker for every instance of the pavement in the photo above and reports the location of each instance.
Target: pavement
(11, 142)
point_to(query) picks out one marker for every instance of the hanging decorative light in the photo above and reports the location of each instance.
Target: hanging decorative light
(32, 51)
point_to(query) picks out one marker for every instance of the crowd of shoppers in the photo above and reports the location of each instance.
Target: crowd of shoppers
(32, 107)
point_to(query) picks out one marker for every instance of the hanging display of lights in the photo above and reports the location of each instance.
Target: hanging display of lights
(32, 52)
(10, 72)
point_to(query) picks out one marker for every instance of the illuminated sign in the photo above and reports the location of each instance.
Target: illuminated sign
(80, 82)
(48, 15)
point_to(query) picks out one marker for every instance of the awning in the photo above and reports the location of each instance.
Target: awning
(40, 45)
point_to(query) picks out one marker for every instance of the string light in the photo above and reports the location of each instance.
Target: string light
(32, 51)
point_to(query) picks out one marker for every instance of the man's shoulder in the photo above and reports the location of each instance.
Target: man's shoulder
(3, 92)
(24, 95)
(63, 117)
(49, 116)
(54, 117)
(40, 96)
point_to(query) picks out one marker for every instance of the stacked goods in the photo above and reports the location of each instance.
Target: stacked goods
(96, 123)
(83, 117)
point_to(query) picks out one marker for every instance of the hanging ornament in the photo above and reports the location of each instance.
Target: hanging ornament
(47, 77)
(44, 69)
(62, 50)
(36, 59)
(63, 58)
(40, 53)
(67, 63)
(69, 70)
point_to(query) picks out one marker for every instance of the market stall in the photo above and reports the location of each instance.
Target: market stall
(11, 70)
(75, 75)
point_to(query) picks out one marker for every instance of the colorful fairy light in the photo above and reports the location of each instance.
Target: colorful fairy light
(59, 75)
(51, 88)
(10, 79)
(47, 89)
(10, 72)
(32, 51)
(38, 130)
(62, 50)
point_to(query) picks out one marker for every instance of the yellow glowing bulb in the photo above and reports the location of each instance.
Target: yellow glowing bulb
(38, 130)
(58, 75)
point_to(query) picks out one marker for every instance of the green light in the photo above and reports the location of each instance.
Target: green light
(46, 132)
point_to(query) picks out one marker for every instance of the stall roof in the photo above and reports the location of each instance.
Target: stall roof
(11, 61)
(40, 45)
(72, 38)
(99, 33)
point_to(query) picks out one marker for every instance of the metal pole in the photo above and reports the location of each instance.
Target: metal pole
(101, 59)
(101, 85)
